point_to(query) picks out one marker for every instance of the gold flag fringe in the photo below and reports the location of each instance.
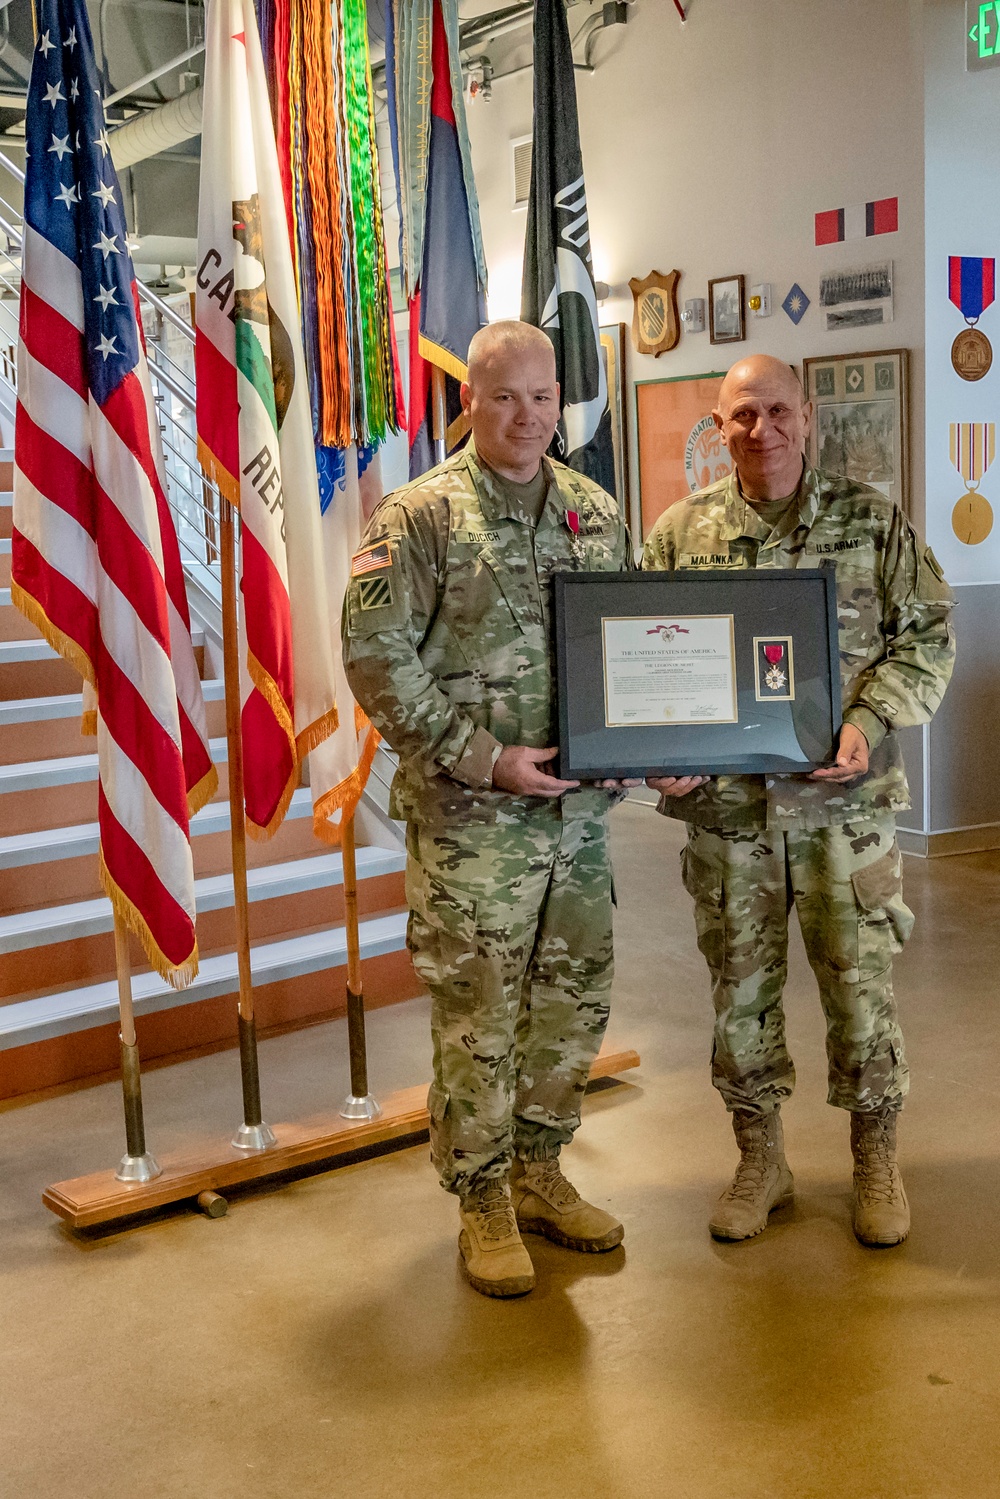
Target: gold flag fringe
(261, 834)
(203, 791)
(66, 646)
(216, 473)
(345, 796)
(177, 975)
(271, 692)
(309, 738)
(443, 358)
(316, 732)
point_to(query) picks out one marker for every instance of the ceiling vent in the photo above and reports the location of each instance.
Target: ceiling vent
(520, 158)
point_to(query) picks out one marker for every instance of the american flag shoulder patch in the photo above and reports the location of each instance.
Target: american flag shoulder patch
(370, 559)
(375, 593)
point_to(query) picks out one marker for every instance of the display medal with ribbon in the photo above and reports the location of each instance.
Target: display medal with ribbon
(971, 287)
(972, 446)
(775, 673)
(774, 676)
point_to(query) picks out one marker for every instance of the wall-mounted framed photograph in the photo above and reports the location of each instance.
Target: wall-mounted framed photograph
(680, 447)
(614, 337)
(727, 310)
(860, 418)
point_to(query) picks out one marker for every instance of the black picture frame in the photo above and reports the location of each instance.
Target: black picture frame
(790, 729)
(727, 310)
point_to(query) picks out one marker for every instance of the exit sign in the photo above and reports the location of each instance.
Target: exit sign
(982, 38)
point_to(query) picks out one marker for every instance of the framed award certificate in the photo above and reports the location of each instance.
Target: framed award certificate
(698, 672)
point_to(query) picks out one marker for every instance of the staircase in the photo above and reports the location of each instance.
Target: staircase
(58, 994)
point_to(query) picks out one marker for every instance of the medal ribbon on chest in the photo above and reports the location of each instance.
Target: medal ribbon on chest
(573, 524)
(973, 447)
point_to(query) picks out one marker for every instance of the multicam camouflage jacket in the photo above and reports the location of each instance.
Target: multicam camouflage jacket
(448, 631)
(897, 646)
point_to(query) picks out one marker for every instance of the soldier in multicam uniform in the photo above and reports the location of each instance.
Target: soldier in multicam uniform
(448, 644)
(824, 842)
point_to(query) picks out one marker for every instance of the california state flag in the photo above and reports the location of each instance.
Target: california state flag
(254, 424)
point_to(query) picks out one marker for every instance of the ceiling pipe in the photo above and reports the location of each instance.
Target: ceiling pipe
(166, 67)
(150, 134)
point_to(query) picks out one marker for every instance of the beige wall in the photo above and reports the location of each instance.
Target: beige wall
(709, 148)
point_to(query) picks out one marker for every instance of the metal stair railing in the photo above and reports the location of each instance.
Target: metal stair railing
(169, 339)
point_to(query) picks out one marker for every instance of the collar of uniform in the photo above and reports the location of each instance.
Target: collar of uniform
(803, 509)
(742, 520)
(493, 499)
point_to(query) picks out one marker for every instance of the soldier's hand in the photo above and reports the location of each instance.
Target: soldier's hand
(611, 785)
(852, 758)
(519, 770)
(675, 785)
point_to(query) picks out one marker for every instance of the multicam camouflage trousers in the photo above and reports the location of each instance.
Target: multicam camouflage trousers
(510, 929)
(845, 884)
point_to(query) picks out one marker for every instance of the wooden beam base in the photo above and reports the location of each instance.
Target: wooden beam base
(100, 1199)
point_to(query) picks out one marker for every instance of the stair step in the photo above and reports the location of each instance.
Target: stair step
(42, 847)
(5, 546)
(40, 650)
(89, 918)
(71, 770)
(70, 704)
(72, 1010)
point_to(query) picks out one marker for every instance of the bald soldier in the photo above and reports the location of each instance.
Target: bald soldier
(825, 842)
(448, 644)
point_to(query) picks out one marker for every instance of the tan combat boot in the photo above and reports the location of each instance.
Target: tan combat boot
(762, 1182)
(546, 1203)
(881, 1211)
(494, 1260)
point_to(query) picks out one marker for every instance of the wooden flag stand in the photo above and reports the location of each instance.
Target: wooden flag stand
(136, 1165)
(253, 1133)
(102, 1199)
(359, 1103)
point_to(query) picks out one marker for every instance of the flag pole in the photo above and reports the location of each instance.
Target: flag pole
(136, 1165)
(439, 415)
(359, 1103)
(253, 1133)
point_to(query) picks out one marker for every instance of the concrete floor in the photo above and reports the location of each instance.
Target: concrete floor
(319, 1340)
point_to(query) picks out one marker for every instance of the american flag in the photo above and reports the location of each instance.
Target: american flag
(95, 561)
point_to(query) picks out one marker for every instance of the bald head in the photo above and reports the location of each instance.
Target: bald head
(512, 397)
(764, 420)
(758, 369)
(508, 343)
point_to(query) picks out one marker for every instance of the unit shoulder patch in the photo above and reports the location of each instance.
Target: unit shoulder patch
(375, 593)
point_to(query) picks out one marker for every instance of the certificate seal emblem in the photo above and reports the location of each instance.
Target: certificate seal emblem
(971, 354)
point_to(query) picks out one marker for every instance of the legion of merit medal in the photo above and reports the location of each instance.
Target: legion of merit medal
(773, 668)
(573, 522)
(972, 446)
(774, 676)
(971, 288)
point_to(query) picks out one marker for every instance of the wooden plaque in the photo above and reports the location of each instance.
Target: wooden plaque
(656, 324)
